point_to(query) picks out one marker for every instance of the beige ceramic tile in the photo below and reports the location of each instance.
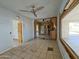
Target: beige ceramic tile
(35, 49)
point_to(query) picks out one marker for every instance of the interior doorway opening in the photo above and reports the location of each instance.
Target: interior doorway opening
(17, 35)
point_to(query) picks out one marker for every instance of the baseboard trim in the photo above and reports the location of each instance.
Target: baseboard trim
(17, 46)
(28, 41)
(5, 50)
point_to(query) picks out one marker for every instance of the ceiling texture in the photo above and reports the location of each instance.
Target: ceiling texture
(51, 7)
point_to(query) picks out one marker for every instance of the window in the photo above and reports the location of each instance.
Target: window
(74, 28)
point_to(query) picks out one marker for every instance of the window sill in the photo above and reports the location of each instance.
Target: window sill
(72, 47)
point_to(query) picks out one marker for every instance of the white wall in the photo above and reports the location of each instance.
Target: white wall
(28, 29)
(63, 51)
(15, 29)
(58, 16)
(7, 25)
(63, 5)
(6, 17)
(61, 48)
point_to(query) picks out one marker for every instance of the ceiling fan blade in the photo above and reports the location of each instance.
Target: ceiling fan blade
(25, 11)
(35, 14)
(39, 8)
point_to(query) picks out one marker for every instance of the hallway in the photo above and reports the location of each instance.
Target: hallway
(35, 49)
(39, 29)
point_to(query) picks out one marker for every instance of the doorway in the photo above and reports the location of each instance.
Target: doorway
(17, 35)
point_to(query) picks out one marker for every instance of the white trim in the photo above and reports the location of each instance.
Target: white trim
(5, 50)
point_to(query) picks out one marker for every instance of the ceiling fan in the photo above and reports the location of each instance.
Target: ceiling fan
(33, 10)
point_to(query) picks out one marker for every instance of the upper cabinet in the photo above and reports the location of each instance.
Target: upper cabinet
(53, 23)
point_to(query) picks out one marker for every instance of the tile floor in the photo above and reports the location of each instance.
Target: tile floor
(35, 49)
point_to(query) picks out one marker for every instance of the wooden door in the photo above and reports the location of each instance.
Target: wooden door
(20, 38)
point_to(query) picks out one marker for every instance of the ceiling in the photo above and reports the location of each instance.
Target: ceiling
(51, 7)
